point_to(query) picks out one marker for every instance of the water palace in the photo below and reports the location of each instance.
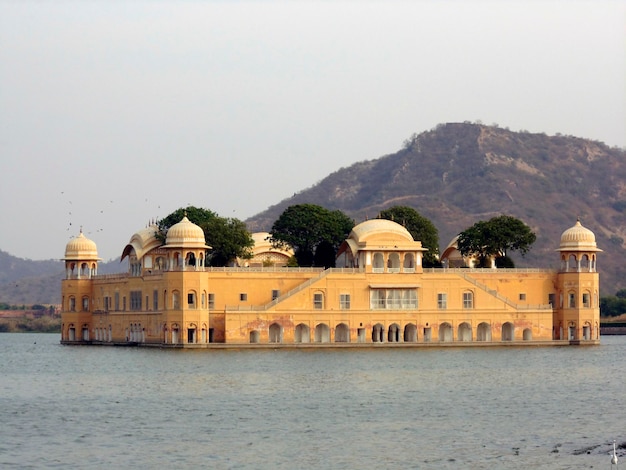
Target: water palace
(379, 293)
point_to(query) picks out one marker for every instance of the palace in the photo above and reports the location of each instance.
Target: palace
(378, 293)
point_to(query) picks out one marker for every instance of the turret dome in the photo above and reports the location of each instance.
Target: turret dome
(578, 238)
(185, 234)
(81, 248)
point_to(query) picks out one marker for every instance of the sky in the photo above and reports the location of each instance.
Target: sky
(114, 113)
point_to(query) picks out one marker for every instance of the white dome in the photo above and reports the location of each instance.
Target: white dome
(578, 238)
(185, 234)
(81, 248)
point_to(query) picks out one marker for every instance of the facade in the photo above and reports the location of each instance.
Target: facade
(378, 293)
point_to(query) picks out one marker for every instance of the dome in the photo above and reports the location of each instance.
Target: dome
(185, 234)
(382, 228)
(142, 242)
(81, 248)
(578, 238)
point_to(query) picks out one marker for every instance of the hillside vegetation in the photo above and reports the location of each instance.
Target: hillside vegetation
(457, 174)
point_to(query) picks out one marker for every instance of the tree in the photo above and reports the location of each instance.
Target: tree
(313, 232)
(420, 228)
(228, 238)
(495, 238)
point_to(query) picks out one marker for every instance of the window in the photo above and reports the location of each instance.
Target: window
(393, 299)
(442, 301)
(586, 300)
(72, 304)
(211, 300)
(318, 301)
(551, 300)
(344, 301)
(468, 300)
(522, 296)
(155, 299)
(275, 294)
(135, 300)
(243, 297)
(107, 304)
(191, 299)
(571, 300)
(117, 301)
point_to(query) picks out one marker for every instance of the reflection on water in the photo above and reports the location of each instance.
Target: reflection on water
(94, 407)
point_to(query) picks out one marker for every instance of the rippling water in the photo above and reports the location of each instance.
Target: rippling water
(105, 407)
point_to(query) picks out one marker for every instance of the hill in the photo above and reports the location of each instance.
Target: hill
(26, 282)
(459, 173)
(455, 174)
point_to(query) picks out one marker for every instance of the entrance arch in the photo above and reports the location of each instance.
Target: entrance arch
(276, 333)
(302, 333)
(410, 333)
(527, 334)
(445, 332)
(393, 334)
(342, 333)
(464, 332)
(483, 332)
(322, 333)
(508, 331)
(378, 333)
(255, 336)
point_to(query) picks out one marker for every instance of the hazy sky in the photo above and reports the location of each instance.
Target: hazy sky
(116, 112)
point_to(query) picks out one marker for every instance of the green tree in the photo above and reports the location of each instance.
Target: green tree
(420, 228)
(313, 232)
(228, 238)
(495, 238)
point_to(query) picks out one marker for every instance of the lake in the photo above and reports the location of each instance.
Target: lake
(479, 408)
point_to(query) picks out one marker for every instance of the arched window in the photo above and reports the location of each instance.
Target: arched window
(318, 301)
(85, 305)
(175, 299)
(409, 263)
(584, 263)
(572, 263)
(72, 304)
(191, 299)
(393, 263)
(571, 299)
(378, 264)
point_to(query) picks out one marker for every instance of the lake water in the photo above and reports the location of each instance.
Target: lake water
(505, 408)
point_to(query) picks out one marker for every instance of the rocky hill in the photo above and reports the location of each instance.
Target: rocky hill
(457, 174)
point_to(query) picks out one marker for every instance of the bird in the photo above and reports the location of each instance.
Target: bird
(614, 457)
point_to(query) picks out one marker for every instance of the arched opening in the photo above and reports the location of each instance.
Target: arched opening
(322, 333)
(302, 333)
(410, 333)
(378, 333)
(508, 331)
(175, 299)
(409, 263)
(571, 331)
(378, 263)
(572, 263)
(584, 263)
(393, 333)
(175, 333)
(255, 336)
(85, 331)
(191, 334)
(276, 333)
(203, 335)
(527, 334)
(190, 259)
(71, 333)
(428, 334)
(445, 332)
(342, 333)
(393, 263)
(587, 331)
(483, 332)
(464, 332)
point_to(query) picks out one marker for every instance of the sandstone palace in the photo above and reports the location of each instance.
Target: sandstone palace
(379, 293)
